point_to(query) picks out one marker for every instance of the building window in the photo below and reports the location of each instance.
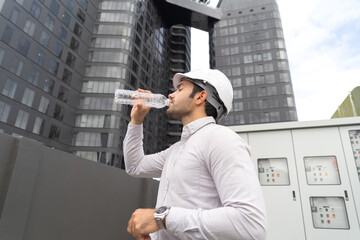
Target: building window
(14, 15)
(20, 2)
(70, 60)
(65, 18)
(35, 10)
(28, 97)
(4, 111)
(282, 66)
(63, 94)
(54, 67)
(70, 5)
(281, 54)
(22, 119)
(2, 54)
(238, 94)
(54, 133)
(238, 106)
(34, 76)
(38, 126)
(74, 44)
(45, 39)
(249, 69)
(67, 76)
(54, 7)
(50, 23)
(58, 49)
(23, 46)
(48, 85)
(17, 66)
(81, 16)
(77, 30)
(9, 88)
(58, 112)
(29, 27)
(39, 57)
(43, 105)
(7, 34)
(62, 34)
(83, 4)
(259, 68)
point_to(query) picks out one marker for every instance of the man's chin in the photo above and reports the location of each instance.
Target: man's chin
(171, 114)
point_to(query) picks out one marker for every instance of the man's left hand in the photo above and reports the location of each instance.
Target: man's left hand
(142, 223)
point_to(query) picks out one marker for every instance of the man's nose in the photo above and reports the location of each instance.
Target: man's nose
(171, 95)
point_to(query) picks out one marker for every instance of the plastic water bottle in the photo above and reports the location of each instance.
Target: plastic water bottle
(123, 96)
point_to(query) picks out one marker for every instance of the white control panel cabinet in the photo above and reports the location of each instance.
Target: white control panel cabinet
(310, 177)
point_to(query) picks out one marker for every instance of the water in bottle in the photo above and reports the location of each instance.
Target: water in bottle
(123, 96)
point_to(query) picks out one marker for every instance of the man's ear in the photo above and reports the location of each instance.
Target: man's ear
(201, 97)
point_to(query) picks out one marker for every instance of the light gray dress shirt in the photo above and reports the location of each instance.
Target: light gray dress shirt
(208, 180)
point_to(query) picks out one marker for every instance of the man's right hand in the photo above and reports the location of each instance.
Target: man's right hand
(139, 111)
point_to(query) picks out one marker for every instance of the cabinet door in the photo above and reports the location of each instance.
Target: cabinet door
(273, 156)
(351, 142)
(327, 202)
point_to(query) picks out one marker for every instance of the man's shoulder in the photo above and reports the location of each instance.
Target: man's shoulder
(220, 129)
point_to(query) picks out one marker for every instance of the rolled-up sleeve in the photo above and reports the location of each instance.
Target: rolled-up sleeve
(242, 214)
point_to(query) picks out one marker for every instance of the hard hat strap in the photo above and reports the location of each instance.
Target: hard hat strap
(212, 96)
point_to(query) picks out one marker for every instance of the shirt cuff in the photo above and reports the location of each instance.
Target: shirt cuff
(135, 127)
(180, 221)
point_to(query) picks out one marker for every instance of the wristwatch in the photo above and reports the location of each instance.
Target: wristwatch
(160, 215)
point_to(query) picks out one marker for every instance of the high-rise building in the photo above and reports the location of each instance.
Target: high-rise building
(248, 45)
(61, 62)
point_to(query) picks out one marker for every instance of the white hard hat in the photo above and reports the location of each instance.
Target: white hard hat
(222, 98)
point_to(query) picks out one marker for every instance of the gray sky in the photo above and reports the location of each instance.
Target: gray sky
(323, 44)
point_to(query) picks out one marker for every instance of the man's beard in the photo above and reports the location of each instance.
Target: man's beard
(181, 111)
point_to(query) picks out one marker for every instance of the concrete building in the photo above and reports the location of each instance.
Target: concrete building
(61, 61)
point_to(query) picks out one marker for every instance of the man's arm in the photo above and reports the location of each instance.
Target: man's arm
(242, 215)
(138, 164)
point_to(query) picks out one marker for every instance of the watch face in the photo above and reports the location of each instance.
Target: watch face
(161, 210)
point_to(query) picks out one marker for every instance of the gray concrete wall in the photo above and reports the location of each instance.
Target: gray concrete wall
(50, 194)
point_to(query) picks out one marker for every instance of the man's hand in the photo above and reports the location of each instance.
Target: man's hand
(142, 223)
(139, 111)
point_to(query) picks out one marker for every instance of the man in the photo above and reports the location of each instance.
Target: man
(208, 188)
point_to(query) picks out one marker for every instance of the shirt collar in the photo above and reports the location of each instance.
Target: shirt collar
(192, 127)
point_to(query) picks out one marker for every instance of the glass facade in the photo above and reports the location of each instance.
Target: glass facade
(129, 49)
(62, 60)
(247, 44)
(38, 97)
